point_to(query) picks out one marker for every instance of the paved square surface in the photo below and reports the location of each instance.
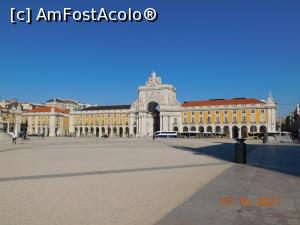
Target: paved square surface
(123, 181)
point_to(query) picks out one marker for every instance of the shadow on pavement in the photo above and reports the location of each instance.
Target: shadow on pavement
(278, 157)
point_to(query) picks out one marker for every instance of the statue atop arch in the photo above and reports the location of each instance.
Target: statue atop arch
(154, 80)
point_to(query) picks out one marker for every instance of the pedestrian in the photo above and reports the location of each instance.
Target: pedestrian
(265, 138)
(23, 137)
(14, 138)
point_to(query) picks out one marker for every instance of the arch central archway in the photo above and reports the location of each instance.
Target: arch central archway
(154, 109)
(235, 132)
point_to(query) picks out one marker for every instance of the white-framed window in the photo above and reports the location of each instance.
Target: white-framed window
(226, 119)
(217, 119)
(193, 117)
(234, 119)
(208, 119)
(244, 119)
(252, 118)
(185, 120)
(262, 117)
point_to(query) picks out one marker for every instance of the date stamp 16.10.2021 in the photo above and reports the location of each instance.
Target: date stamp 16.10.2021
(247, 201)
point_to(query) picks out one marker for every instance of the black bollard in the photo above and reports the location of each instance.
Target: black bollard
(265, 138)
(240, 151)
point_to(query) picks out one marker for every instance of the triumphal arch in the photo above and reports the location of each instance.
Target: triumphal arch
(156, 108)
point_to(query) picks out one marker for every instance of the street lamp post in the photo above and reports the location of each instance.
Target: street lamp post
(1, 126)
(1, 123)
(154, 119)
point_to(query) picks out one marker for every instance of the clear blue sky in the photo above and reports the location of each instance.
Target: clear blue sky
(206, 49)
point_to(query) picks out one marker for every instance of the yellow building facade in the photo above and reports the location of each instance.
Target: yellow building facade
(48, 121)
(157, 109)
(102, 120)
(10, 119)
(232, 117)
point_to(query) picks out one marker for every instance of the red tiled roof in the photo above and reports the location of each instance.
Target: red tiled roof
(48, 109)
(214, 102)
